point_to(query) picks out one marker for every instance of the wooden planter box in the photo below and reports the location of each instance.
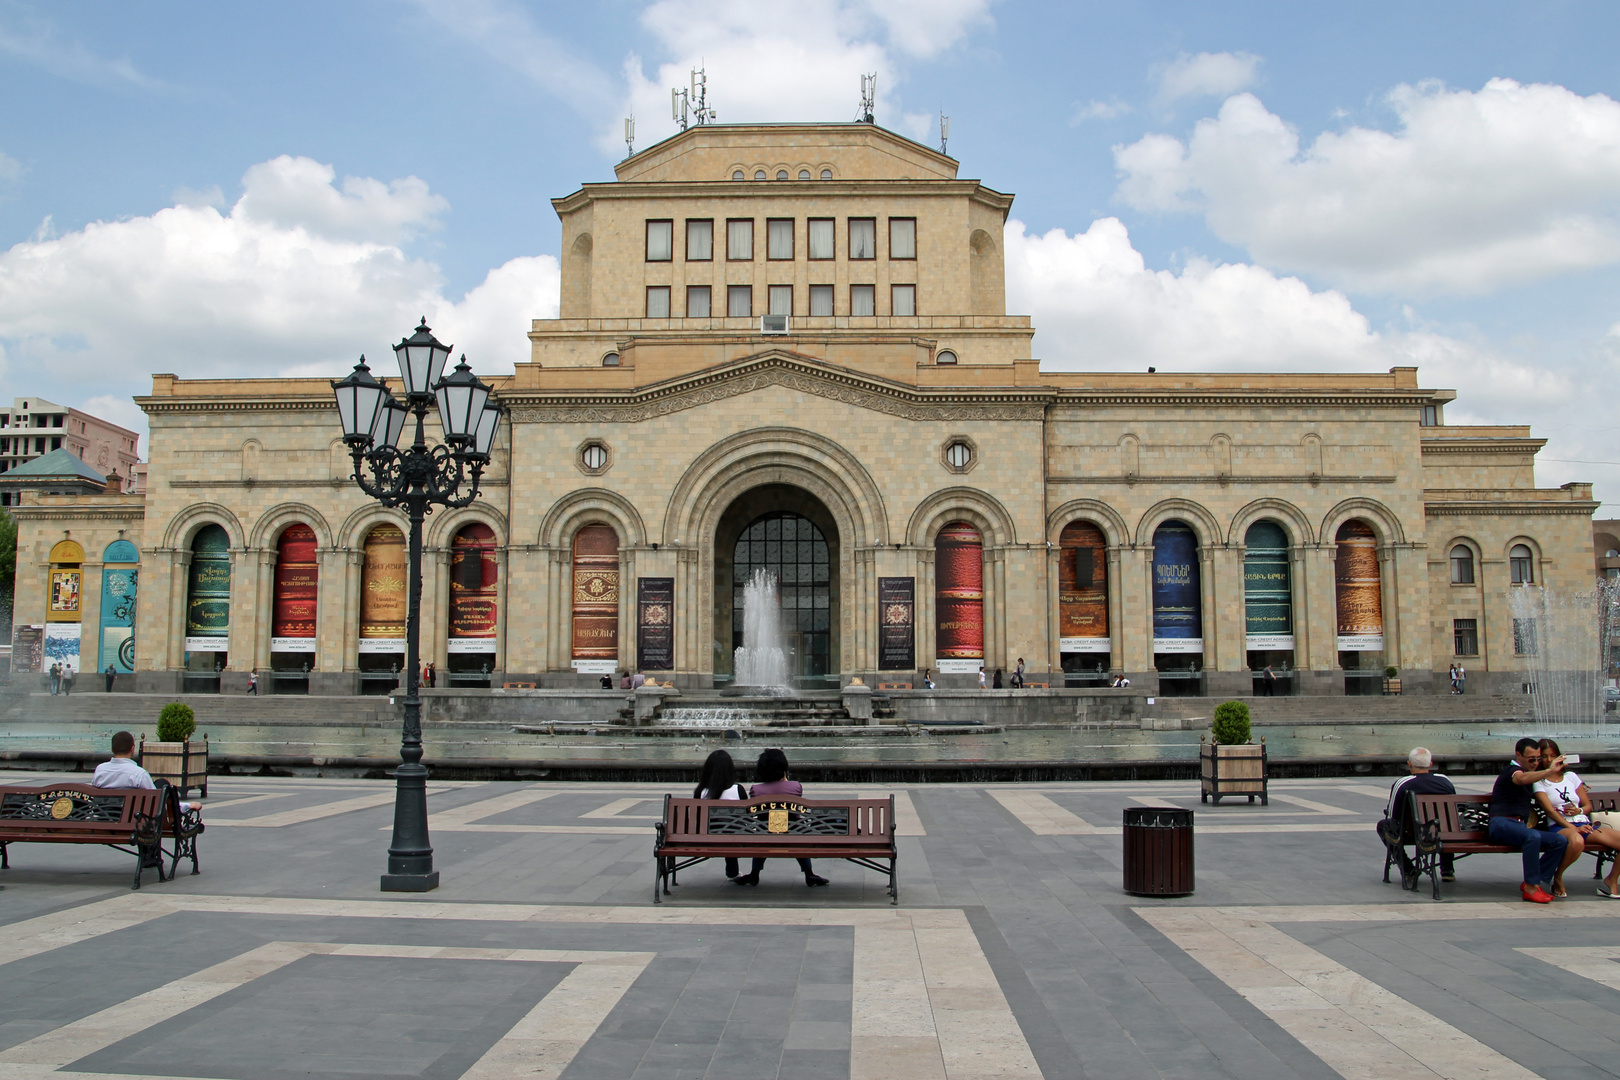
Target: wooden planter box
(1232, 770)
(183, 764)
(1392, 686)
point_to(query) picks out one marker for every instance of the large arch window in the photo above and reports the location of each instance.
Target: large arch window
(1462, 565)
(120, 580)
(1521, 565)
(796, 552)
(208, 609)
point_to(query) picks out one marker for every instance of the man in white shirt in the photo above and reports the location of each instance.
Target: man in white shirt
(122, 772)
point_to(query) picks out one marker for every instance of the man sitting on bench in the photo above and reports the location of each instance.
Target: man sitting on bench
(1423, 780)
(122, 772)
(1513, 808)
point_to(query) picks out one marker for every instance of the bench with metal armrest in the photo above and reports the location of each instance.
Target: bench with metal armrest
(133, 820)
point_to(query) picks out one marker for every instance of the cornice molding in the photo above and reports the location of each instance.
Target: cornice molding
(778, 368)
(1205, 478)
(217, 403)
(1510, 509)
(1329, 398)
(1494, 446)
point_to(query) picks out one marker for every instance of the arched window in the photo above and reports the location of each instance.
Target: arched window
(1521, 565)
(959, 598)
(1462, 565)
(804, 174)
(737, 174)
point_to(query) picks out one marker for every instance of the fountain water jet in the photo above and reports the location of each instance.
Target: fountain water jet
(1561, 636)
(761, 662)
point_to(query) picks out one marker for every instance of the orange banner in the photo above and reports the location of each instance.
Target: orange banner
(596, 593)
(1083, 582)
(382, 584)
(959, 593)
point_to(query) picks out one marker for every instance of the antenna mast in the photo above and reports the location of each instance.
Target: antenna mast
(868, 99)
(944, 131)
(692, 102)
(630, 136)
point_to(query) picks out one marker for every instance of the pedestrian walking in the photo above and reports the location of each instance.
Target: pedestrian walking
(1018, 676)
(981, 676)
(1462, 679)
(67, 679)
(1453, 678)
(253, 682)
(995, 683)
(112, 673)
(1269, 681)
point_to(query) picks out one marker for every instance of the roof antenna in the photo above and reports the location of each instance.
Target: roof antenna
(944, 131)
(868, 99)
(630, 136)
(692, 101)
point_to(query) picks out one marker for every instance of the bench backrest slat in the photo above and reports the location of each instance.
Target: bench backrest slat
(837, 819)
(76, 807)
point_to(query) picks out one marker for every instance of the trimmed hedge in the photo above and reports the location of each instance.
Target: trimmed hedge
(176, 722)
(1231, 726)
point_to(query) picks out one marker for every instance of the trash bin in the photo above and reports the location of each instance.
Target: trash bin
(1158, 851)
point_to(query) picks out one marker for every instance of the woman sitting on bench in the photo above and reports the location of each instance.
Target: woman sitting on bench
(718, 780)
(1567, 806)
(771, 772)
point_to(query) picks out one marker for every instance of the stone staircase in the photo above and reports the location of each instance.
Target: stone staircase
(1415, 708)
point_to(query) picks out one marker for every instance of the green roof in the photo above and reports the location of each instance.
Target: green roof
(55, 465)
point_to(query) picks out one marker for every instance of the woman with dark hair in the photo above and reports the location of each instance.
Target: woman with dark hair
(718, 780)
(1566, 805)
(771, 771)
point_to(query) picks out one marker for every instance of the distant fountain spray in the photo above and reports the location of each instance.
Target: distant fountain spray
(761, 661)
(1561, 636)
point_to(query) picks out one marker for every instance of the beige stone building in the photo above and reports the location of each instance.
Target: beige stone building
(785, 348)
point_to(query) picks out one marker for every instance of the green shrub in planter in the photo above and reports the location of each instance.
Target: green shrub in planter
(176, 722)
(1231, 726)
(1391, 672)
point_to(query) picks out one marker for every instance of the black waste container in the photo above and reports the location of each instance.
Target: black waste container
(1158, 851)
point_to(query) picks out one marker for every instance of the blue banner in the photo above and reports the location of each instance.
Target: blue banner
(1178, 612)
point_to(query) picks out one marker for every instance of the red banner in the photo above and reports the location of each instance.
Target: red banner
(959, 593)
(596, 593)
(473, 574)
(297, 584)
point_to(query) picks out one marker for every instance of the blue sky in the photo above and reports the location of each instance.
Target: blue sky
(272, 189)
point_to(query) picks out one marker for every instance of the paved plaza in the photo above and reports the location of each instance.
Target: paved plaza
(1013, 951)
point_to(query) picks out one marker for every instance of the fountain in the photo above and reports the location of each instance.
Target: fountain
(761, 663)
(1561, 636)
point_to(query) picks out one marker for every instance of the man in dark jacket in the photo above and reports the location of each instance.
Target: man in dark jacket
(1423, 780)
(1513, 813)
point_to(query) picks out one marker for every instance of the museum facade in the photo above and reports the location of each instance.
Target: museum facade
(784, 349)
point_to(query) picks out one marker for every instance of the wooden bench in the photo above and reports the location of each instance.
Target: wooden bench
(894, 686)
(132, 820)
(517, 686)
(774, 827)
(1459, 825)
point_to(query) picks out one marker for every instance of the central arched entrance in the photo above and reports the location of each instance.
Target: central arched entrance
(789, 533)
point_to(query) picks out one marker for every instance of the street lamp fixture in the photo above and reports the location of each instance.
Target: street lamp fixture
(415, 479)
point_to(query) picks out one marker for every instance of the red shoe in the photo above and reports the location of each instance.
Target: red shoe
(1535, 894)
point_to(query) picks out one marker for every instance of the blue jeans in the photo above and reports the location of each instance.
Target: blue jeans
(1543, 851)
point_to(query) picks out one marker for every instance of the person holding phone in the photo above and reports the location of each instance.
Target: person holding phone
(1512, 811)
(1567, 804)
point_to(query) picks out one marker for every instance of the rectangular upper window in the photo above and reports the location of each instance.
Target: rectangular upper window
(1430, 416)
(863, 238)
(822, 244)
(699, 240)
(903, 299)
(779, 239)
(781, 300)
(821, 300)
(660, 241)
(1465, 637)
(861, 299)
(739, 301)
(740, 240)
(658, 301)
(697, 302)
(902, 238)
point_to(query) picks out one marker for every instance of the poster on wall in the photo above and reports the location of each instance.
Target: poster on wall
(473, 578)
(382, 591)
(1268, 594)
(119, 588)
(28, 648)
(63, 603)
(208, 591)
(596, 597)
(1360, 600)
(897, 631)
(959, 598)
(296, 587)
(1083, 589)
(62, 644)
(1178, 608)
(655, 624)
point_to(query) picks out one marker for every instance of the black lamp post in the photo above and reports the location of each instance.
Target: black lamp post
(416, 479)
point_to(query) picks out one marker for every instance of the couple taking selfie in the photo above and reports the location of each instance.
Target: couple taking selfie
(719, 781)
(1542, 807)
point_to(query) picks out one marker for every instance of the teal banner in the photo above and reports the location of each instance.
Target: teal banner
(1268, 594)
(119, 585)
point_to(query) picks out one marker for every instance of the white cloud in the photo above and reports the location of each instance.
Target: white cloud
(10, 168)
(1207, 75)
(33, 40)
(1098, 110)
(297, 278)
(1477, 189)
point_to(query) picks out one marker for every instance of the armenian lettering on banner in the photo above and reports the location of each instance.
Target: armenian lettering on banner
(596, 600)
(28, 647)
(897, 636)
(1268, 590)
(208, 591)
(120, 581)
(655, 624)
(1083, 589)
(297, 585)
(382, 591)
(1359, 590)
(473, 573)
(64, 599)
(1178, 606)
(959, 598)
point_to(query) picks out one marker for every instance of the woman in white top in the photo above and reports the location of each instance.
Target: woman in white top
(718, 780)
(1567, 805)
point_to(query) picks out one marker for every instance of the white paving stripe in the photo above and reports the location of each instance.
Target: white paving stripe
(310, 813)
(1320, 808)
(1041, 815)
(1596, 962)
(926, 1003)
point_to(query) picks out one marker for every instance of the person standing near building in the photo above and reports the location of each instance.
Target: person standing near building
(112, 673)
(55, 678)
(1462, 679)
(253, 682)
(981, 677)
(1269, 682)
(1018, 676)
(67, 679)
